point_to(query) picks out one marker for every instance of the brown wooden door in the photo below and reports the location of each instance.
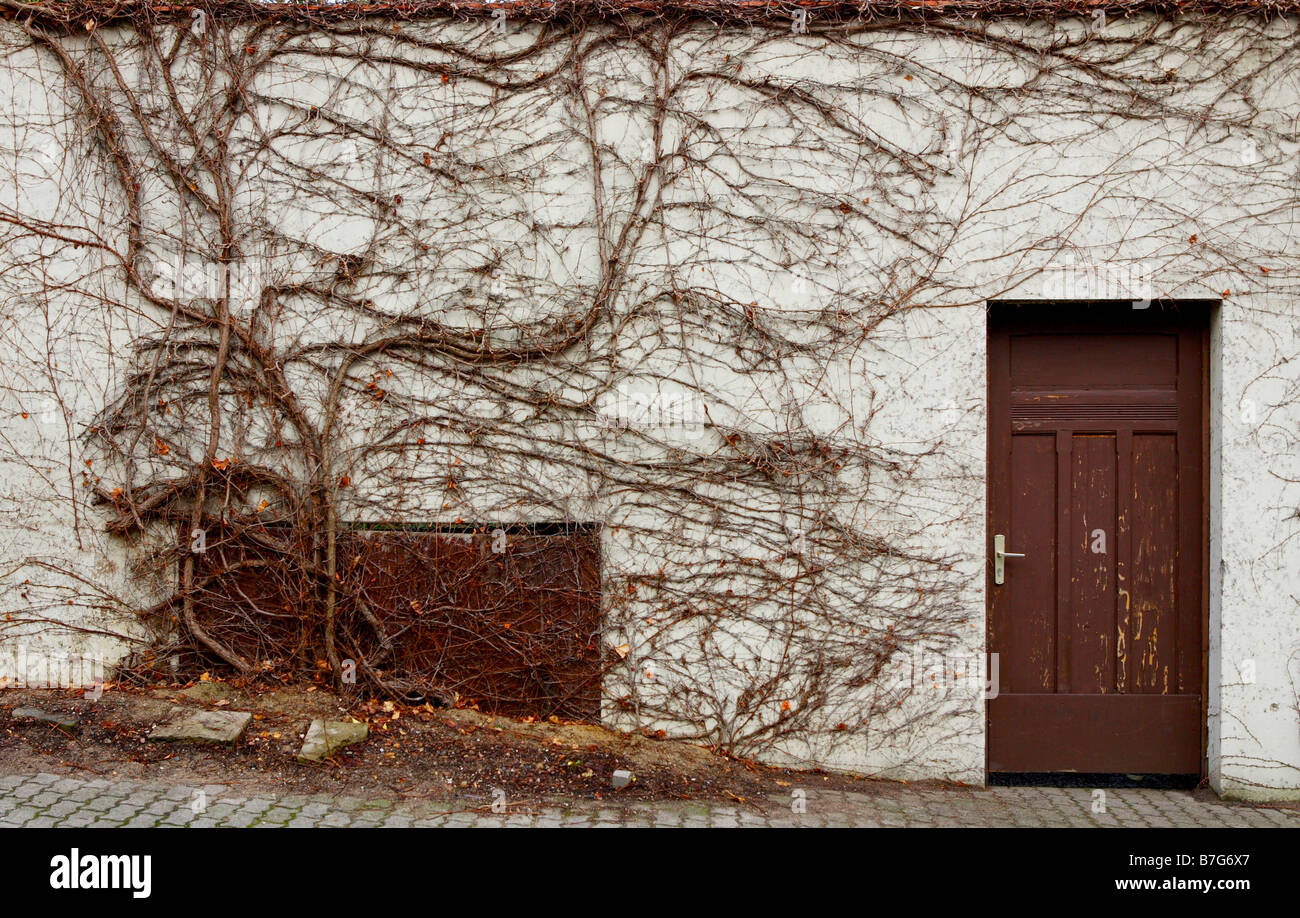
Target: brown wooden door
(1095, 474)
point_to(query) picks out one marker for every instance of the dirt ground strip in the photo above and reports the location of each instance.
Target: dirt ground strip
(458, 758)
(412, 751)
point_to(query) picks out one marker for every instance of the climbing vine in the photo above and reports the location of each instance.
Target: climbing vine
(650, 271)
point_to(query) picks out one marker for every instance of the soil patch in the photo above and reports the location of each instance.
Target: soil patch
(412, 751)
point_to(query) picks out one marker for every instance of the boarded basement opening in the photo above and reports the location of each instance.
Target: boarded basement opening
(507, 618)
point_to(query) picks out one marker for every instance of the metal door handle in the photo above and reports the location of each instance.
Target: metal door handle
(1000, 554)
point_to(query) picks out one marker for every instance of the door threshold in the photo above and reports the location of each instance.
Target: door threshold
(1092, 779)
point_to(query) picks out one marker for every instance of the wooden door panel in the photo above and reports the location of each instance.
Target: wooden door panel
(1029, 663)
(1092, 640)
(1095, 474)
(1151, 622)
(1130, 360)
(1135, 734)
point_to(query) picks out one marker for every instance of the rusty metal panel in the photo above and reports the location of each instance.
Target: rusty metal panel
(514, 630)
(1095, 474)
(507, 622)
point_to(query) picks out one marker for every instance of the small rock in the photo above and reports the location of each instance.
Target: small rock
(325, 737)
(184, 726)
(206, 692)
(62, 721)
(622, 778)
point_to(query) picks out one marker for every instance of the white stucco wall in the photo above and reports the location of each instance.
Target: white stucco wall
(1027, 211)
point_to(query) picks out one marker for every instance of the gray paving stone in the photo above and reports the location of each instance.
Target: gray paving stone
(276, 816)
(64, 807)
(68, 800)
(187, 726)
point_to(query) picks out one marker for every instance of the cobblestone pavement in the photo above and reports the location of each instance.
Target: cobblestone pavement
(53, 800)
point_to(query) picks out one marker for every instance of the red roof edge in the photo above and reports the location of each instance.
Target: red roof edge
(89, 13)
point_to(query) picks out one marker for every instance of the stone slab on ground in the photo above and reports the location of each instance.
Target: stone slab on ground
(325, 737)
(62, 721)
(185, 726)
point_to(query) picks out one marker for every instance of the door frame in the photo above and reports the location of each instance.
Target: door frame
(1204, 312)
